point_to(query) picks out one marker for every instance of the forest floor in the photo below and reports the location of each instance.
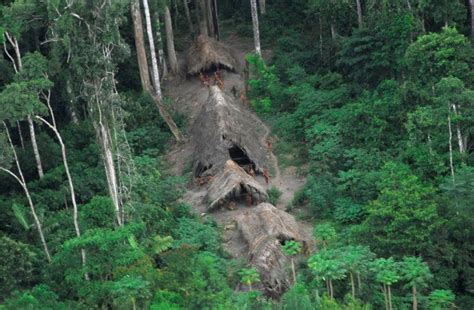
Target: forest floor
(189, 96)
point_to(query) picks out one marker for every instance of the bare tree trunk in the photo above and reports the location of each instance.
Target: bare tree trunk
(293, 270)
(72, 192)
(256, 31)
(471, 5)
(157, 94)
(451, 164)
(461, 145)
(352, 285)
(188, 16)
(385, 296)
(333, 31)
(359, 282)
(331, 289)
(210, 19)
(389, 293)
(39, 166)
(216, 20)
(359, 13)
(161, 53)
(174, 66)
(151, 43)
(20, 134)
(140, 45)
(263, 8)
(201, 7)
(22, 182)
(415, 301)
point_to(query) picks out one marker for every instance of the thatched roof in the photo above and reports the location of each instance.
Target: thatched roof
(232, 182)
(224, 129)
(265, 228)
(206, 53)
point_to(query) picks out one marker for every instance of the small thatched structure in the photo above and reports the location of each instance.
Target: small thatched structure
(265, 229)
(233, 182)
(207, 54)
(224, 129)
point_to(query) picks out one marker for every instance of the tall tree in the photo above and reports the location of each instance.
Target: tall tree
(157, 95)
(256, 31)
(359, 13)
(4, 160)
(188, 17)
(18, 65)
(202, 17)
(173, 60)
(140, 45)
(471, 6)
(262, 5)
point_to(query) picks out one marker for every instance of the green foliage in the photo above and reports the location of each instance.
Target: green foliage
(274, 195)
(404, 215)
(441, 300)
(249, 276)
(415, 272)
(17, 268)
(291, 248)
(387, 271)
(324, 233)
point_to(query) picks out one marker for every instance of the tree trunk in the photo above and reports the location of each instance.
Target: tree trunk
(215, 19)
(210, 19)
(352, 285)
(39, 166)
(157, 94)
(188, 17)
(389, 293)
(256, 31)
(461, 145)
(415, 301)
(103, 134)
(359, 13)
(140, 45)
(471, 5)
(331, 289)
(20, 134)
(293, 270)
(17, 67)
(173, 60)
(333, 31)
(263, 9)
(385, 298)
(68, 173)
(151, 43)
(22, 182)
(359, 282)
(451, 164)
(201, 8)
(161, 53)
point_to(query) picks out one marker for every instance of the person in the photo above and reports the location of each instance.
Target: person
(243, 98)
(252, 172)
(249, 199)
(269, 145)
(266, 175)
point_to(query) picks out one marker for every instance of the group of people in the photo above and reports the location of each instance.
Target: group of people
(206, 80)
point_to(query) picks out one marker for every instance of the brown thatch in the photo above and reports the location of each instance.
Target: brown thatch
(265, 228)
(233, 182)
(206, 53)
(224, 129)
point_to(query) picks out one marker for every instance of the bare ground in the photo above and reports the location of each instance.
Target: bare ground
(188, 96)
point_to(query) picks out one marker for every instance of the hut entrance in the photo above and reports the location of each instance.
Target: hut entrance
(241, 158)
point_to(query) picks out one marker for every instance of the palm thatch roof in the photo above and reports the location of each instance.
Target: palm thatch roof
(206, 53)
(265, 229)
(233, 182)
(224, 129)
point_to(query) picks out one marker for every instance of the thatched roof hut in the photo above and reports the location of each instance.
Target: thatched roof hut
(224, 129)
(233, 182)
(207, 54)
(265, 228)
